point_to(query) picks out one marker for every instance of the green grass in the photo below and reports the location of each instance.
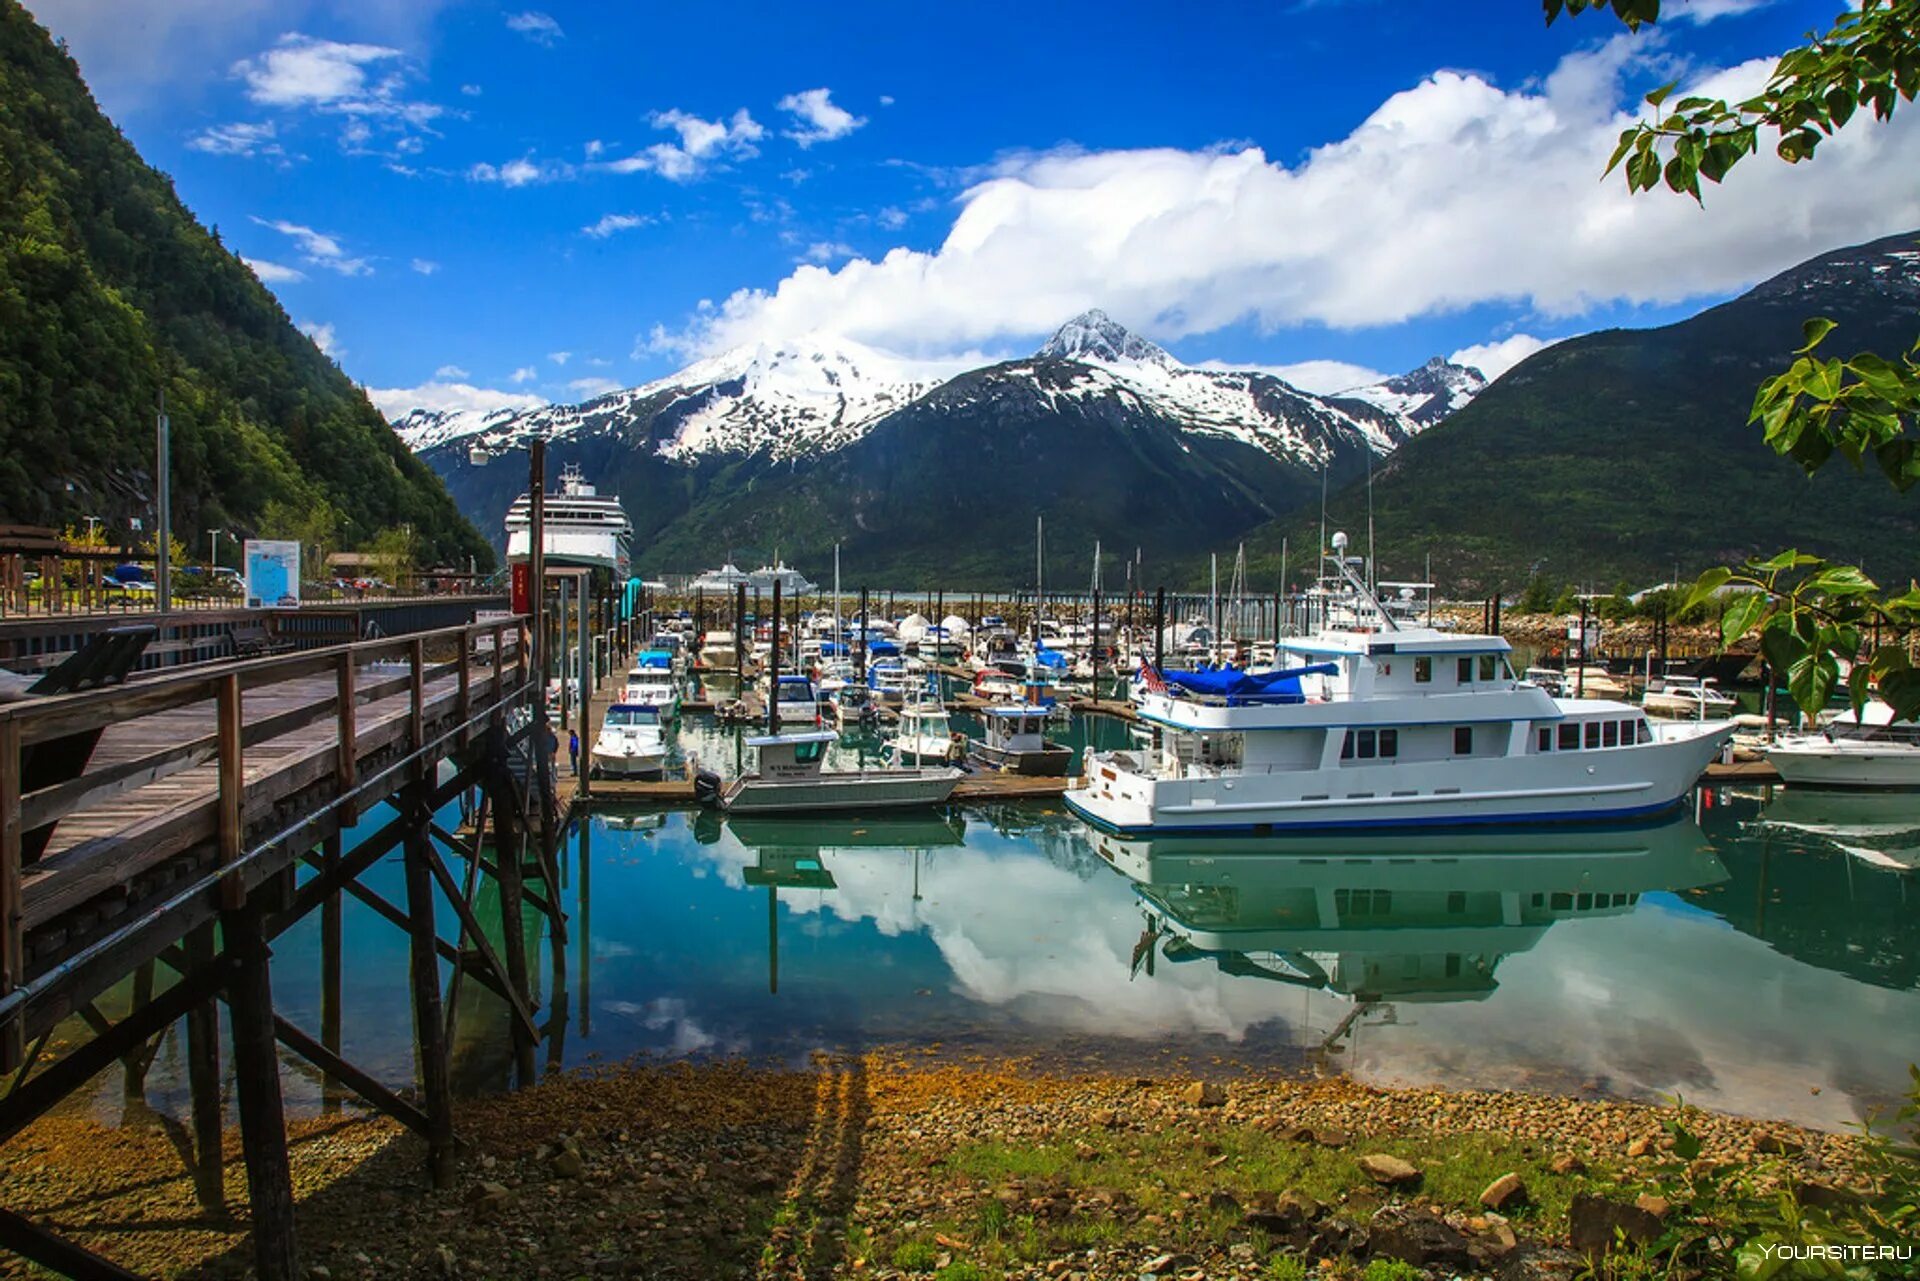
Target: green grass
(915, 1256)
(1286, 1267)
(1392, 1270)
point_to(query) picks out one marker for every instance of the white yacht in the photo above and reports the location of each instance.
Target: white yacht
(583, 527)
(1692, 697)
(793, 583)
(631, 743)
(1383, 723)
(651, 683)
(1869, 751)
(1016, 742)
(717, 650)
(722, 580)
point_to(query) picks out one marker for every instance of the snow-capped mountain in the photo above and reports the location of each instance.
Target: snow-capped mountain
(1426, 395)
(814, 396)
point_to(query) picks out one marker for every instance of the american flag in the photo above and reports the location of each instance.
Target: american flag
(1150, 677)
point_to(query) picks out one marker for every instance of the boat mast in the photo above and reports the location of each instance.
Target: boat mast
(1039, 572)
(836, 592)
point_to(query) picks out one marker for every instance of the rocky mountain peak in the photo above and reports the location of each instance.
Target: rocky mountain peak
(1094, 335)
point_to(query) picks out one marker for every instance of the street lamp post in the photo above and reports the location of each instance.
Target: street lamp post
(215, 535)
(162, 562)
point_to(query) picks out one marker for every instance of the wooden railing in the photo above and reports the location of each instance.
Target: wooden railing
(485, 679)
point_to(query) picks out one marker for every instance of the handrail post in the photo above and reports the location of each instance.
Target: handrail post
(233, 783)
(12, 951)
(464, 701)
(417, 713)
(346, 695)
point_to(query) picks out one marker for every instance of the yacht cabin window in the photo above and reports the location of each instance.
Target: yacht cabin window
(1423, 669)
(1569, 737)
(1463, 740)
(1489, 666)
(1609, 733)
(1644, 735)
(1464, 666)
(1546, 739)
(1368, 744)
(1593, 733)
(808, 753)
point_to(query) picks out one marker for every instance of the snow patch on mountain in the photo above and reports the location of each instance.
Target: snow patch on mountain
(814, 396)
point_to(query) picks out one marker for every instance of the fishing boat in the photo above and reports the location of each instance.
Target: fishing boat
(632, 743)
(790, 777)
(651, 683)
(1690, 697)
(1386, 724)
(926, 736)
(674, 645)
(1869, 750)
(1016, 742)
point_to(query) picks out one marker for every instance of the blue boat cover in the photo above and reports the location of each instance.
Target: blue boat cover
(659, 658)
(1271, 687)
(1050, 658)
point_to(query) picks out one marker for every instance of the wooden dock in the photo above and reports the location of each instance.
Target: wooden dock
(137, 817)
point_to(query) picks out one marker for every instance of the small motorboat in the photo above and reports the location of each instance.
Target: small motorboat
(790, 777)
(1691, 697)
(852, 706)
(892, 684)
(632, 743)
(796, 701)
(718, 651)
(926, 736)
(1865, 751)
(1016, 742)
(996, 686)
(652, 683)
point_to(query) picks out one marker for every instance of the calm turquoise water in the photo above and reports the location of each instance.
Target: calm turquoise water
(1760, 956)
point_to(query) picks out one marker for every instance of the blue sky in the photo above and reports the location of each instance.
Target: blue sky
(473, 200)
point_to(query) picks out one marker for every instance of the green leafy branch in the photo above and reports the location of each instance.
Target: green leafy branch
(1867, 59)
(1866, 405)
(1811, 616)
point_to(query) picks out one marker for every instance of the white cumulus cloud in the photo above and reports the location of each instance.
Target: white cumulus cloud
(816, 118)
(827, 251)
(611, 223)
(524, 374)
(425, 266)
(238, 139)
(318, 248)
(365, 83)
(591, 387)
(536, 26)
(323, 338)
(273, 273)
(702, 144)
(1496, 358)
(518, 173)
(451, 371)
(449, 397)
(1454, 192)
(1321, 377)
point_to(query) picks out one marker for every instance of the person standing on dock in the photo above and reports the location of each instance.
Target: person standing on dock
(573, 750)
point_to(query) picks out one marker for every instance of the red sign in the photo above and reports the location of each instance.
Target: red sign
(522, 587)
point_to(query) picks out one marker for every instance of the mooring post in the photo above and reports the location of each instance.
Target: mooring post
(436, 1083)
(331, 921)
(256, 1073)
(203, 1085)
(1160, 629)
(740, 639)
(860, 642)
(773, 672)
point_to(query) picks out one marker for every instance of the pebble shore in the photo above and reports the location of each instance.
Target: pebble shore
(888, 1167)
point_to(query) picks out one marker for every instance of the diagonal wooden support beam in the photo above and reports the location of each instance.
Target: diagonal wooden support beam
(385, 1100)
(28, 1239)
(34, 1097)
(470, 926)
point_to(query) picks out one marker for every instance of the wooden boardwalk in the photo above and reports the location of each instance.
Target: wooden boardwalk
(134, 818)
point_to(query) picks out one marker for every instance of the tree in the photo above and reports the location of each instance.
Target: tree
(1812, 615)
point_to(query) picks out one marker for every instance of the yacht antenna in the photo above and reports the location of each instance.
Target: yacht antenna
(1373, 573)
(1354, 581)
(836, 592)
(1280, 622)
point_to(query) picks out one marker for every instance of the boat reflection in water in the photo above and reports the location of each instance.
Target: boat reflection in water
(1881, 829)
(1388, 921)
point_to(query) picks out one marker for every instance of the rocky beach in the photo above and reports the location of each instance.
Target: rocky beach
(897, 1165)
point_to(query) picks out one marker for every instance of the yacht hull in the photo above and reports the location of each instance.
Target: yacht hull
(1582, 787)
(1881, 767)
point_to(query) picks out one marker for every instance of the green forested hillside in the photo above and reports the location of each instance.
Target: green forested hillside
(1626, 454)
(110, 292)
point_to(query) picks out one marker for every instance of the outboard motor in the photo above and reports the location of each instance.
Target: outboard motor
(706, 788)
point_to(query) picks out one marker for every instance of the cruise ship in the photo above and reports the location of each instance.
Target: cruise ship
(1380, 722)
(583, 527)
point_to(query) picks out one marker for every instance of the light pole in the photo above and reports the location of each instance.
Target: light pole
(215, 535)
(162, 563)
